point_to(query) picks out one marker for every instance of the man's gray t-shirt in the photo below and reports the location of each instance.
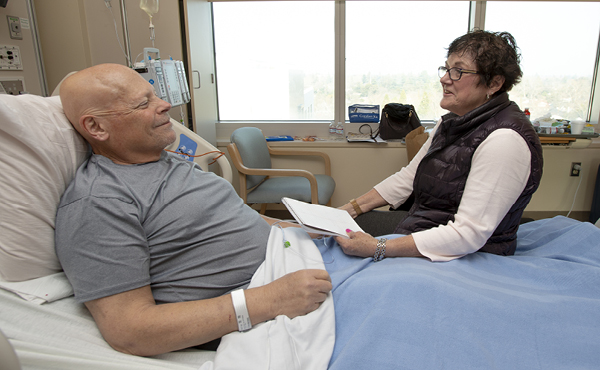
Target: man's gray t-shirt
(167, 224)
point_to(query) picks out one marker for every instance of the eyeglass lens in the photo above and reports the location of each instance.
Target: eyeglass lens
(455, 73)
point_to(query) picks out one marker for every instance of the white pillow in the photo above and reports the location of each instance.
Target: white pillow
(39, 154)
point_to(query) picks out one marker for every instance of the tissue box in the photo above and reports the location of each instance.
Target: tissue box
(363, 113)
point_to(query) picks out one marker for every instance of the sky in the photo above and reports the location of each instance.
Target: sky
(415, 33)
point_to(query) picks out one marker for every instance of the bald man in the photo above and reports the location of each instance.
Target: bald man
(152, 244)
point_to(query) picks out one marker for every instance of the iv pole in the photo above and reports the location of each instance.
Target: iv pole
(126, 33)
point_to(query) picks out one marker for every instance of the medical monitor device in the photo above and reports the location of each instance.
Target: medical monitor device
(167, 76)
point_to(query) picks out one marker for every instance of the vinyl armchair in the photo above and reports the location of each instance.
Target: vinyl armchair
(262, 184)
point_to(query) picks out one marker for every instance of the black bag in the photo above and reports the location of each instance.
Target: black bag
(397, 120)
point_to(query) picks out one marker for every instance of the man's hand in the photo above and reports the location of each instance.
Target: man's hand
(294, 294)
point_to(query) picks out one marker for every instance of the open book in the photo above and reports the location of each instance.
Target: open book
(318, 219)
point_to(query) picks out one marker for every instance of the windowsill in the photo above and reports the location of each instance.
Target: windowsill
(221, 142)
(325, 144)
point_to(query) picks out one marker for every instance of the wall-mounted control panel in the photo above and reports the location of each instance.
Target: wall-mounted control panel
(10, 58)
(12, 85)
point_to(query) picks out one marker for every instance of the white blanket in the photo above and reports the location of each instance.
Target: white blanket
(305, 342)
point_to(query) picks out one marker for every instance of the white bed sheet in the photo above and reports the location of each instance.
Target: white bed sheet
(63, 335)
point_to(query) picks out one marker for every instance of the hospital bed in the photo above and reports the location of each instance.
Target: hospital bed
(539, 309)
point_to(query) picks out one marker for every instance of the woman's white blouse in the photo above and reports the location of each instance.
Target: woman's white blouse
(499, 172)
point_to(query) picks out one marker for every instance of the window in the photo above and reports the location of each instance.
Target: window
(558, 43)
(275, 60)
(386, 62)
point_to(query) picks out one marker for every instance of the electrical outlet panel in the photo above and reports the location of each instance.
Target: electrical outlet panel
(14, 27)
(10, 58)
(575, 168)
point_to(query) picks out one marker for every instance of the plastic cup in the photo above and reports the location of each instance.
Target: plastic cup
(576, 127)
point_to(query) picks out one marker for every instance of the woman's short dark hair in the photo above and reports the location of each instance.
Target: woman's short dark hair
(494, 53)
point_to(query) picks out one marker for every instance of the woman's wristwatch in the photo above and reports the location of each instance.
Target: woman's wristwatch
(356, 207)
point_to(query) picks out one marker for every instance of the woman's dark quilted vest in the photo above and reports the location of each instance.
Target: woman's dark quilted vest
(441, 176)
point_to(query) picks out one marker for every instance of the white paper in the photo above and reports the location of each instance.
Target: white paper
(319, 219)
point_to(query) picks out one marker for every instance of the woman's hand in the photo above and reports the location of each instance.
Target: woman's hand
(359, 244)
(364, 245)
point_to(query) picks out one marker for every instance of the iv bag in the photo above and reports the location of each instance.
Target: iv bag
(149, 6)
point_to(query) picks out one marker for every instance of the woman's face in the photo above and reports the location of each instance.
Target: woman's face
(466, 94)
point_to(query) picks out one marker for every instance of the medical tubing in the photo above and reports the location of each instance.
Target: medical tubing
(109, 6)
(199, 155)
(287, 245)
(575, 196)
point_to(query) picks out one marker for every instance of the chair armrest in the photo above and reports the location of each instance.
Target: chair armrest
(239, 165)
(323, 155)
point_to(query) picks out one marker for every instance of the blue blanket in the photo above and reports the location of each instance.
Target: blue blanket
(538, 309)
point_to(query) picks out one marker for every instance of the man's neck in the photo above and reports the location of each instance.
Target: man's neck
(130, 159)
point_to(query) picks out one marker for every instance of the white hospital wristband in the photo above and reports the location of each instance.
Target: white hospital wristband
(241, 311)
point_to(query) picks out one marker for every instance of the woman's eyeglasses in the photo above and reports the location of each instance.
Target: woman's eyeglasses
(454, 73)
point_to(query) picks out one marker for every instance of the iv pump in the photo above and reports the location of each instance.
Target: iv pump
(166, 75)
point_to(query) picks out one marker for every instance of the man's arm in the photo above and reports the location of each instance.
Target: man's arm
(272, 221)
(131, 322)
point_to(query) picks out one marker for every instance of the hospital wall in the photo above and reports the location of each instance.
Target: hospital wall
(76, 34)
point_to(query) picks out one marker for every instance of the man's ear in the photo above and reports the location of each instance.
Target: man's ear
(93, 127)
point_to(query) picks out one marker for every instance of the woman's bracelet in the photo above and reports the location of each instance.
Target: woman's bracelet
(380, 250)
(356, 207)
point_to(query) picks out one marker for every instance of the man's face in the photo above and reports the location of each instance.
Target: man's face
(139, 125)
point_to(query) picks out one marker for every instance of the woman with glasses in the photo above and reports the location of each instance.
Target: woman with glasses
(476, 173)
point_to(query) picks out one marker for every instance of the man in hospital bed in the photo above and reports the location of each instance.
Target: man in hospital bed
(151, 244)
